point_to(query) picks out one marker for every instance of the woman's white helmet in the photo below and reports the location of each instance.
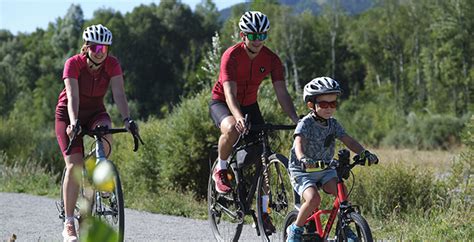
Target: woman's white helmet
(320, 86)
(98, 34)
(254, 22)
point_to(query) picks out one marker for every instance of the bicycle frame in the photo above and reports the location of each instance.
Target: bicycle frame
(243, 192)
(316, 216)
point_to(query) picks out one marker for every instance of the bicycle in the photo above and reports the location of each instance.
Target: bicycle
(107, 206)
(348, 215)
(227, 211)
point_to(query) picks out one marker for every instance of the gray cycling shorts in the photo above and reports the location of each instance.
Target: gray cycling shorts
(302, 180)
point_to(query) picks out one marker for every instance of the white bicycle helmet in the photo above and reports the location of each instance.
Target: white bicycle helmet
(254, 22)
(98, 34)
(320, 86)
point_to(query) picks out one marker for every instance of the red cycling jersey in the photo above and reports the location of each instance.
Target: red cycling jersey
(248, 74)
(92, 85)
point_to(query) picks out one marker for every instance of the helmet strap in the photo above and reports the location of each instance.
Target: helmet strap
(93, 62)
(248, 49)
(318, 118)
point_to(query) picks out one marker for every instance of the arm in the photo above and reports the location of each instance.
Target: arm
(72, 92)
(352, 144)
(300, 142)
(230, 92)
(120, 99)
(285, 100)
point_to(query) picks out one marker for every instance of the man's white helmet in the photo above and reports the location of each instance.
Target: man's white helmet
(320, 86)
(254, 22)
(98, 34)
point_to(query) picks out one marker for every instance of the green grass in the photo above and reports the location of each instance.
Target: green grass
(28, 178)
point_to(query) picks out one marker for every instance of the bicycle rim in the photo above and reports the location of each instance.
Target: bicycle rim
(281, 200)
(225, 217)
(111, 209)
(358, 225)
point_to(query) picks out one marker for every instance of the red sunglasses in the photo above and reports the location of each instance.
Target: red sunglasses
(324, 104)
(99, 48)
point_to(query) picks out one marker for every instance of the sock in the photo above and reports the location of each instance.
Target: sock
(265, 203)
(221, 165)
(69, 219)
(296, 227)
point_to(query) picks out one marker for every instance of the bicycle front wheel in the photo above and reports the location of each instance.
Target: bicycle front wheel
(110, 208)
(225, 216)
(276, 185)
(356, 226)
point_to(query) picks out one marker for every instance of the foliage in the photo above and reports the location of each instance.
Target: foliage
(26, 177)
(405, 68)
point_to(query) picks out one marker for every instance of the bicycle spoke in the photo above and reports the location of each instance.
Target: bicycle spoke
(281, 201)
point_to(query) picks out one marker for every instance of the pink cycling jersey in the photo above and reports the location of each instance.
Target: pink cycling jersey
(248, 74)
(92, 85)
(92, 89)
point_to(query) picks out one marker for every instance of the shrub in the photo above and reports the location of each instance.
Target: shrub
(387, 189)
(429, 131)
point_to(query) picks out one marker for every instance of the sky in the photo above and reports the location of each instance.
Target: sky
(26, 15)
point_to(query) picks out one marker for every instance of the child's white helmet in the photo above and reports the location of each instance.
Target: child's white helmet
(320, 86)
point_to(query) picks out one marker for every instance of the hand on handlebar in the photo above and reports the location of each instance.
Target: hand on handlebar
(310, 165)
(241, 125)
(73, 129)
(368, 157)
(132, 127)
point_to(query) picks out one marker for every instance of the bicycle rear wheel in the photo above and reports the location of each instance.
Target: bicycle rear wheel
(110, 208)
(281, 199)
(357, 225)
(225, 216)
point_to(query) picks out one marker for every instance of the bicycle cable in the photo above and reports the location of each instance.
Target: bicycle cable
(353, 183)
(108, 143)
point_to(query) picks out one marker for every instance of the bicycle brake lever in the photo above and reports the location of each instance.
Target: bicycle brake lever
(75, 132)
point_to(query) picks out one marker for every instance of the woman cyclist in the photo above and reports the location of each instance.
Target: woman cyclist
(86, 77)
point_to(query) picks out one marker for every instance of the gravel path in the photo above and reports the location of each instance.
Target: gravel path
(35, 218)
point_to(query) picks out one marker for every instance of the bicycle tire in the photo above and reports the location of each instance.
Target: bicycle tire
(112, 209)
(225, 228)
(289, 220)
(281, 197)
(358, 225)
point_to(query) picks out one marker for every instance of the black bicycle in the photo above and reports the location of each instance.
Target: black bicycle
(105, 205)
(268, 177)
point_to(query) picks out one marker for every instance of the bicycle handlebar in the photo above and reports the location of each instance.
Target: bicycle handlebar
(75, 133)
(101, 131)
(268, 127)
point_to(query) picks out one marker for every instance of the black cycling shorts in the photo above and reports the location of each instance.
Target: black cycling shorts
(219, 111)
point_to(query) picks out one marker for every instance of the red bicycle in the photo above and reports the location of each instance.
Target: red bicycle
(349, 219)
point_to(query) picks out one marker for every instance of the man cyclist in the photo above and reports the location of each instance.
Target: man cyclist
(243, 68)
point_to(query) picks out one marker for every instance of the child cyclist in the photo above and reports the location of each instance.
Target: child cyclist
(313, 149)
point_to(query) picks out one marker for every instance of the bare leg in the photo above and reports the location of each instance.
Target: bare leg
(331, 187)
(229, 136)
(312, 200)
(72, 179)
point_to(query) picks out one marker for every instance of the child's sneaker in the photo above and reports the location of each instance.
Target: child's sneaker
(294, 233)
(69, 232)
